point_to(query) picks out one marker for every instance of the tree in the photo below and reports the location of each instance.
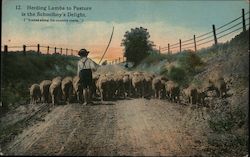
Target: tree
(136, 45)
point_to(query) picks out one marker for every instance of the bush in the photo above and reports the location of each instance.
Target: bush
(153, 58)
(177, 74)
(190, 61)
(164, 71)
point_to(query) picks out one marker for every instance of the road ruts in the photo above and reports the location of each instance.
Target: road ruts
(127, 127)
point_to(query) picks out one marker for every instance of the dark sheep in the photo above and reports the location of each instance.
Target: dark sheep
(67, 88)
(44, 87)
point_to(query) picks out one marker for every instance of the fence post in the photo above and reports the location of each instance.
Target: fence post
(180, 45)
(55, 50)
(66, 51)
(48, 50)
(195, 49)
(215, 38)
(168, 48)
(61, 51)
(24, 49)
(38, 48)
(243, 20)
(71, 52)
(5, 48)
(159, 49)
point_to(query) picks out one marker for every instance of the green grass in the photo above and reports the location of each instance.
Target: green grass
(21, 71)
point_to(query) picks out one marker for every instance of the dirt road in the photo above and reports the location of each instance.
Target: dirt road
(125, 127)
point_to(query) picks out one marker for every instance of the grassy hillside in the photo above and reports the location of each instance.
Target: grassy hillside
(189, 65)
(228, 123)
(19, 72)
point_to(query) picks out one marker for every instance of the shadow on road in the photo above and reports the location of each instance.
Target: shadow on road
(100, 103)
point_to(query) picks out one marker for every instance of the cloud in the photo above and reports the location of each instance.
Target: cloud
(92, 35)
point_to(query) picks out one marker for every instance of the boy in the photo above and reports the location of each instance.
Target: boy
(84, 71)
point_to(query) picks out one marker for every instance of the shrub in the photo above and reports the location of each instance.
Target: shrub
(177, 74)
(153, 58)
(190, 61)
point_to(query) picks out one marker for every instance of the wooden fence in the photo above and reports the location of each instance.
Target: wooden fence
(235, 25)
(118, 60)
(209, 37)
(56, 50)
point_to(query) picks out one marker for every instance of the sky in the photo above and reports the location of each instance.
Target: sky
(166, 20)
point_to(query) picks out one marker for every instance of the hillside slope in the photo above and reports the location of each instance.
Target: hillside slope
(229, 119)
(19, 72)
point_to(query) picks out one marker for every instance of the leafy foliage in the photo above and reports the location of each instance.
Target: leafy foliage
(190, 61)
(177, 74)
(154, 57)
(137, 45)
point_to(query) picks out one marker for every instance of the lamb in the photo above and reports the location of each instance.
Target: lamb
(172, 91)
(220, 87)
(58, 78)
(56, 90)
(138, 84)
(201, 95)
(191, 93)
(44, 87)
(127, 83)
(148, 84)
(35, 93)
(118, 81)
(77, 88)
(105, 85)
(94, 90)
(67, 88)
(158, 87)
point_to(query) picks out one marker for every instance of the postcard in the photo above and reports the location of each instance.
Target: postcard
(124, 78)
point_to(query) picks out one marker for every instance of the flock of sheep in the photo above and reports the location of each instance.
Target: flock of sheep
(124, 84)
